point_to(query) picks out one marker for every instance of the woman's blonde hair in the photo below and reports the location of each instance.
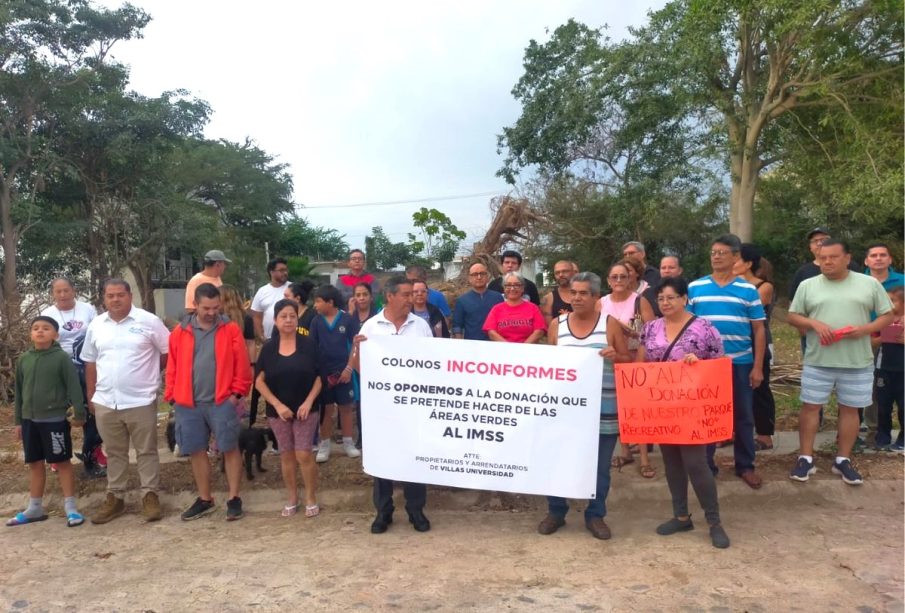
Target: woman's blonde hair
(231, 304)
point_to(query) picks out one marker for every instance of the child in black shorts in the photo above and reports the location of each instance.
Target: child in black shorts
(46, 386)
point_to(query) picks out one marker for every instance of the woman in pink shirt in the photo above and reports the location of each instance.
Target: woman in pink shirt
(515, 320)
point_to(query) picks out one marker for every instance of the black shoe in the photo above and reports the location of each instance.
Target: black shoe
(718, 537)
(234, 509)
(199, 508)
(419, 521)
(675, 525)
(381, 523)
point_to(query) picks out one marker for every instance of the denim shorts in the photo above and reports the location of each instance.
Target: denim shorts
(854, 386)
(194, 426)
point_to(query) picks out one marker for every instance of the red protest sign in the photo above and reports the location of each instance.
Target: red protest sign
(674, 402)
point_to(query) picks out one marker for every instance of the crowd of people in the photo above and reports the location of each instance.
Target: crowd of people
(297, 349)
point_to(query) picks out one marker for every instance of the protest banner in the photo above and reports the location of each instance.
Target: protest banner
(481, 415)
(674, 402)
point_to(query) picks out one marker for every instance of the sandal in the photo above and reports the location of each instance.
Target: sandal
(289, 510)
(648, 471)
(21, 519)
(312, 510)
(759, 445)
(620, 461)
(74, 519)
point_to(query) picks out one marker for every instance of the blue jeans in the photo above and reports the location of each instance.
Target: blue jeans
(558, 507)
(742, 421)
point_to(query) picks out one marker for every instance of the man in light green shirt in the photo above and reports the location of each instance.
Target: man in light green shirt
(834, 309)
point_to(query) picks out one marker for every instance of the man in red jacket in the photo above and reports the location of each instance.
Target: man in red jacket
(207, 374)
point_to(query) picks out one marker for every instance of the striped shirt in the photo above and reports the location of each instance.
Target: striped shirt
(597, 341)
(730, 309)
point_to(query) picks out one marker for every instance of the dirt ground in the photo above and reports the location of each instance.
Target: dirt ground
(818, 546)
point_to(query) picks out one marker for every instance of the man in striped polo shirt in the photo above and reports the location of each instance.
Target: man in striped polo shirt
(733, 306)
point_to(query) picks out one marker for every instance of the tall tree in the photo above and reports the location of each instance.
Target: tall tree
(51, 53)
(723, 74)
(297, 237)
(383, 253)
(439, 236)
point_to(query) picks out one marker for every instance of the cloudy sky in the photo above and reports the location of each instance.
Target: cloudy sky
(368, 102)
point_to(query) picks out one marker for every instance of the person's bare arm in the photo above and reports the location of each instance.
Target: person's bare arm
(553, 332)
(258, 319)
(534, 337)
(806, 323)
(495, 336)
(647, 311)
(282, 410)
(760, 350)
(90, 383)
(546, 306)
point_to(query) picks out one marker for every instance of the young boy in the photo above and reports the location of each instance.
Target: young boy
(46, 386)
(332, 331)
(890, 374)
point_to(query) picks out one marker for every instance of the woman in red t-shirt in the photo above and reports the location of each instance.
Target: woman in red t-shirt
(515, 320)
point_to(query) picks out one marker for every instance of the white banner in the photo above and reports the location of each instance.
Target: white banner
(481, 415)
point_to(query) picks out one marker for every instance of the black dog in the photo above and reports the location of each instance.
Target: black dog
(252, 443)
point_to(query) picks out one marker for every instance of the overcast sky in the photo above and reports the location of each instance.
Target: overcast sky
(365, 101)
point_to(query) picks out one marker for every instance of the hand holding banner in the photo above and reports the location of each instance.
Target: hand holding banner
(674, 402)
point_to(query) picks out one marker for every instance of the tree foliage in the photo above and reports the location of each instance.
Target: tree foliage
(296, 236)
(439, 236)
(383, 253)
(726, 86)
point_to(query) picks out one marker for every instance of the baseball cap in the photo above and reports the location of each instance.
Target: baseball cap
(215, 255)
(818, 231)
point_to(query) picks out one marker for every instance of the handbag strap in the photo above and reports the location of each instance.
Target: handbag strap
(676, 339)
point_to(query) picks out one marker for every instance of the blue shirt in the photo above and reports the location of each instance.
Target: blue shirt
(333, 340)
(471, 312)
(893, 280)
(436, 298)
(730, 309)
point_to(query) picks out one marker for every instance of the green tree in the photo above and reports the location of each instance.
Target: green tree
(439, 237)
(720, 76)
(383, 253)
(297, 236)
(52, 53)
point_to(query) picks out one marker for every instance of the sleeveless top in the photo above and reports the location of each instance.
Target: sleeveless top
(559, 305)
(595, 340)
(768, 310)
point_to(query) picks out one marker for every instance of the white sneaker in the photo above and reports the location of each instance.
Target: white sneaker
(351, 450)
(323, 451)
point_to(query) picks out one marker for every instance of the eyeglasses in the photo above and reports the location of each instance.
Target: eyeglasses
(819, 241)
(513, 286)
(477, 274)
(665, 299)
(718, 253)
(630, 253)
(281, 270)
(617, 277)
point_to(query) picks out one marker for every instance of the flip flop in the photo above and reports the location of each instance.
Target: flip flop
(620, 461)
(20, 519)
(74, 519)
(759, 445)
(648, 471)
(289, 510)
(312, 510)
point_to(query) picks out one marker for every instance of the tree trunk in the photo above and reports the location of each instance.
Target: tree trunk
(142, 274)
(10, 300)
(745, 178)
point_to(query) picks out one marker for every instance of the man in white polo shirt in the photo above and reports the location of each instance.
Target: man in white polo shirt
(125, 349)
(396, 318)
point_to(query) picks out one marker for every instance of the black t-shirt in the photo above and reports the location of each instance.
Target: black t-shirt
(248, 328)
(289, 377)
(305, 321)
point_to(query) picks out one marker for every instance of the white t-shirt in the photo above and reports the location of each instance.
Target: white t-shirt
(263, 302)
(73, 323)
(379, 325)
(127, 355)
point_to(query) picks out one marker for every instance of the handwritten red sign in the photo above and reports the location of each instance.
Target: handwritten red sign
(674, 402)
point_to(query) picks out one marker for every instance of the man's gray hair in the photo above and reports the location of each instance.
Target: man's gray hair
(636, 245)
(590, 278)
(391, 287)
(517, 277)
